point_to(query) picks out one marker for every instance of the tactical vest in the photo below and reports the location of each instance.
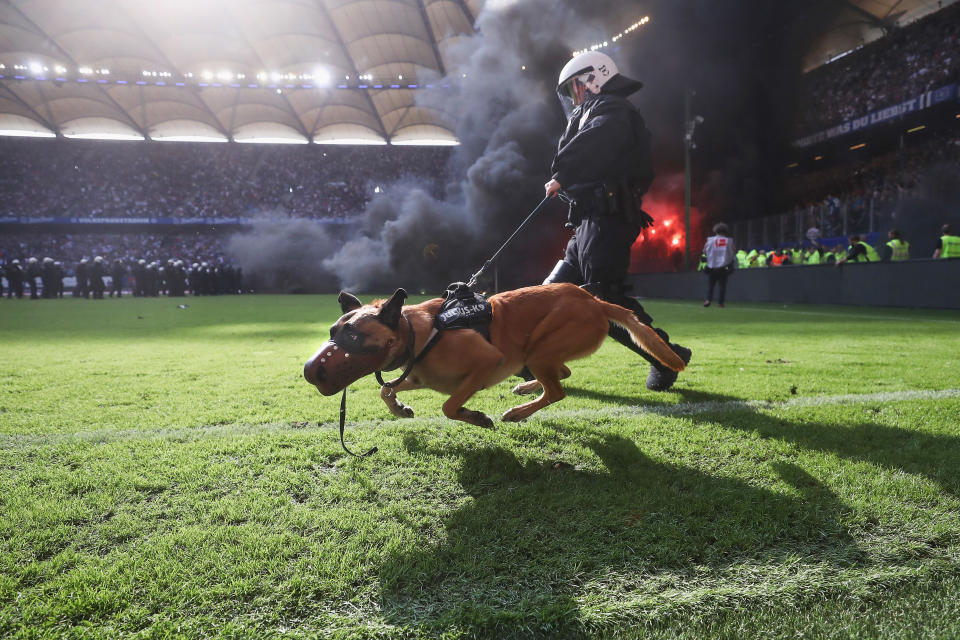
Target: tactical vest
(950, 246)
(900, 250)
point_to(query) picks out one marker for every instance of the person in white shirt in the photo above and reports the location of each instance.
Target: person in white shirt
(721, 259)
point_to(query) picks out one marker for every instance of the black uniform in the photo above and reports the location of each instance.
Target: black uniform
(33, 272)
(603, 162)
(83, 279)
(604, 165)
(140, 279)
(97, 271)
(48, 273)
(118, 272)
(14, 274)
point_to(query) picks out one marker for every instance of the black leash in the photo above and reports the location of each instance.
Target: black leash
(486, 265)
(413, 360)
(343, 419)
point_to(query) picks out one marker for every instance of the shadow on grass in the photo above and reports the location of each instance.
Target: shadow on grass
(933, 456)
(519, 554)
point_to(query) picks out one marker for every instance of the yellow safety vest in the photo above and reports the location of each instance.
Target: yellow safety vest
(950, 246)
(900, 250)
(871, 255)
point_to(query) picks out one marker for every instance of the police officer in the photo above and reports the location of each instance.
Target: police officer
(33, 272)
(118, 273)
(14, 274)
(48, 274)
(152, 284)
(948, 246)
(97, 271)
(603, 167)
(140, 278)
(82, 289)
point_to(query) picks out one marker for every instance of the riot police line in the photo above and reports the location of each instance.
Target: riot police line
(99, 278)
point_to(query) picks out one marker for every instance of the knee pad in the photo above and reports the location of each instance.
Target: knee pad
(563, 272)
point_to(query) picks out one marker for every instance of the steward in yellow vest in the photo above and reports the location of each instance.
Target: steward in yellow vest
(899, 248)
(949, 245)
(859, 251)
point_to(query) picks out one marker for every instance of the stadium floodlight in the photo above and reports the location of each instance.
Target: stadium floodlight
(27, 133)
(225, 75)
(85, 71)
(426, 142)
(104, 136)
(188, 138)
(35, 68)
(351, 141)
(271, 140)
(206, 74)
(322, 77)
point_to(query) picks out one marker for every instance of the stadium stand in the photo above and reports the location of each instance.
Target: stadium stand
(104, 179)
(908, 61)
(866, 172)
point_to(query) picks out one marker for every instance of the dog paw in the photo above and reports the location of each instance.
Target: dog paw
(516, 414)
(525, 388)
(475, 417)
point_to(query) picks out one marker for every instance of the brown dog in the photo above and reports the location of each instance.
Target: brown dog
(541, 327)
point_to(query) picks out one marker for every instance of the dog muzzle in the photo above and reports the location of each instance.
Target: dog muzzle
(332, 367)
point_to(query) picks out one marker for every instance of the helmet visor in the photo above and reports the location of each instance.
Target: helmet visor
(571, 95)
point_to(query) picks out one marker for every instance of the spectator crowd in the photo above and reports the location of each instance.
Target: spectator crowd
(906, 62)
(104, 179)
(851, 188)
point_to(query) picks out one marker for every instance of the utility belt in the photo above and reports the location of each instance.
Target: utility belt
(605, 200)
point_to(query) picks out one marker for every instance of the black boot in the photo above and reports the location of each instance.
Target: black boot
(660, 378)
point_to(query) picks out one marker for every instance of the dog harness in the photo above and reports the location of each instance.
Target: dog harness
(462, 309)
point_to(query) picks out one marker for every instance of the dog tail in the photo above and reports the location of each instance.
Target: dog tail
(643, 336)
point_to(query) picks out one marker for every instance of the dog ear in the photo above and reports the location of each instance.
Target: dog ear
(390, 311)
(348, 302)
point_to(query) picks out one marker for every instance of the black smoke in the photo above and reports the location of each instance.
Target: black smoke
(285, 256)
(742, 58)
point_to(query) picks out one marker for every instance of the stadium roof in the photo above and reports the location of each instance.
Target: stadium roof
(861, 21)
(333, 71)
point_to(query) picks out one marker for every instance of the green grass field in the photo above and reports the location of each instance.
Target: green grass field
(167, 472)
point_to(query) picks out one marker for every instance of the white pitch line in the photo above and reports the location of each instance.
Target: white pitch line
(679, 409)
(692, 408)
(839, 314)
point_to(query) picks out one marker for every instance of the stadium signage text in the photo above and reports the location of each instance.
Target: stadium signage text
(923, 101)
